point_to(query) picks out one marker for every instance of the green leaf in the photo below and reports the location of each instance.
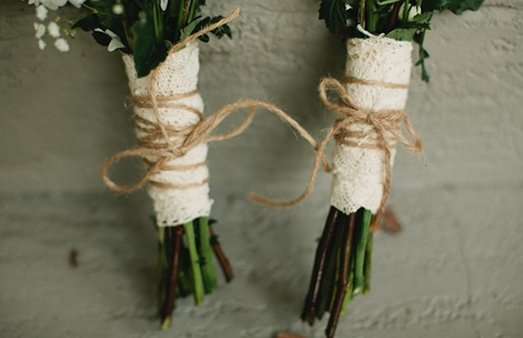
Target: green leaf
(221, 31)
(335, 15)
(88, 23)
(102, 38)
(423, 55)
(148, 51)
(204, 38)
(189, 29)
(422, 18)
(459, 6)
(402, 34)
(456, 6)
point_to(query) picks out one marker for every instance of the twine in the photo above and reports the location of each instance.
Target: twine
(191, 136)
(385, 125)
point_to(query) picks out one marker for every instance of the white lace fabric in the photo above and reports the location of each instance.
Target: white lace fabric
(177, 75)
(358, 173)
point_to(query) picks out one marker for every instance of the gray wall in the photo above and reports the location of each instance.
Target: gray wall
(455, 271)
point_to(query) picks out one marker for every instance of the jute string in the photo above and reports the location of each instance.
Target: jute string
(150, 145)
(385, 123)
(385, 128)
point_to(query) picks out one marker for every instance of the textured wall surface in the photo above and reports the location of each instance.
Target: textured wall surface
(455, 271)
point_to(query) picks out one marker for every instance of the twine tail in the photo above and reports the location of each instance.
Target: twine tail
(319, 159)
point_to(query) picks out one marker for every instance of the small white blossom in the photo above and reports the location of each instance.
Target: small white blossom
(53, 29)
(118, 9)
(55, 4)
(62, 45)
(39, 30)
(163, 4)
(41, 13)
(412, 12)
(41, 44)
(348, 7)
(115, 43)
(77, 3)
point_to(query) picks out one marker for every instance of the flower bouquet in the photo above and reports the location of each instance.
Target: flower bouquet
(370, 104)
(157, 41)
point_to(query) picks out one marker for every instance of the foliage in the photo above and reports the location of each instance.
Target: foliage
(145, 28)
(404, 20)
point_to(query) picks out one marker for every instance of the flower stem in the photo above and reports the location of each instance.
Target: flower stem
(360, 251)
(207, 255)
(220, 255)
(195, 262)
(367, 265)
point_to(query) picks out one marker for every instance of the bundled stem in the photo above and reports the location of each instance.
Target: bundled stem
(341, 268)
(186, 263)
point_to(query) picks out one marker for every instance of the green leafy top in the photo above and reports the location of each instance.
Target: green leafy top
(147, 29)
(404, 20)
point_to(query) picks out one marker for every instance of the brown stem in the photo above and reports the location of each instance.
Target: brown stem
(168, 306)
(311, 301)
(343, 281)
(220, 255)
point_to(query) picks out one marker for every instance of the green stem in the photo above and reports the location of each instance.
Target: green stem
(350, 293)
(361, 245)
(162, 266)
(367, 267)
(158, 21)
(181, 17)
(195, 263)
(372, 16)
(406, 11)
(387, 2)
(207, 255)
(192, 10)
(185, 286)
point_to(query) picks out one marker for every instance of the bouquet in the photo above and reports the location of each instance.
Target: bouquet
(157, 41)
(370, 104)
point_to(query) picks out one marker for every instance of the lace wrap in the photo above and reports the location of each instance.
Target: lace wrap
(358, 169)
(187, 194)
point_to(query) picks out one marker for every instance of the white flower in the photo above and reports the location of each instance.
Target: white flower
(413, 11)
(163, 4)
(53, 29)
(61, 45)
(118, 9)
(77, 3)
(41, 13)
(115, 43)
(50, 4)
(39, 30)
(348, 7)
(41, 44)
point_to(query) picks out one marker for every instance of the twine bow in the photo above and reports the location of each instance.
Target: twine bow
(385, 124)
